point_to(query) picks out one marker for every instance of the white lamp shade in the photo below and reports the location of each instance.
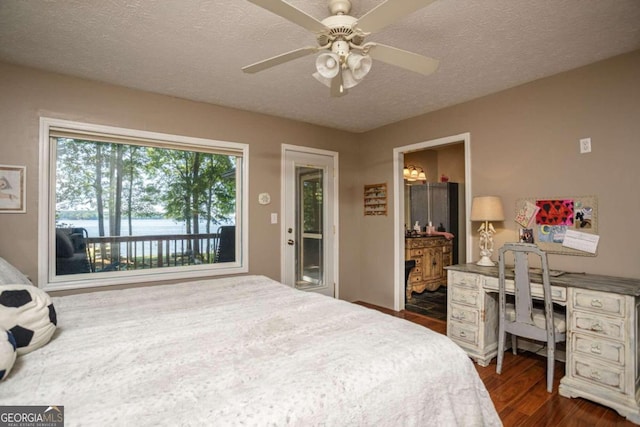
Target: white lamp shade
(348, 81)
(359, 65)
(325, 81)
(487, 208)
(328, 65)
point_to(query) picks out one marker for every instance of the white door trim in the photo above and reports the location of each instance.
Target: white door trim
(398, 205)
(334, 250)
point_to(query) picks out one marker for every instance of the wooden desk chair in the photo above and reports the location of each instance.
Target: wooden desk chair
(522, 319)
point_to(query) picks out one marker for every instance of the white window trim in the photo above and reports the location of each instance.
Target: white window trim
(46, 230)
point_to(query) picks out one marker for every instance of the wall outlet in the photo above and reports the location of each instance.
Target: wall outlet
(274, 218)
(585, 145)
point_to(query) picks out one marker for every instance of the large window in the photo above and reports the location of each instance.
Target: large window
(124, 206)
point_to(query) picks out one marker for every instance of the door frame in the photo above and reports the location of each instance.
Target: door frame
(333, 252)
(398, 205)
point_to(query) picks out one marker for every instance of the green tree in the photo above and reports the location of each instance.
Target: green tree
(197, 185)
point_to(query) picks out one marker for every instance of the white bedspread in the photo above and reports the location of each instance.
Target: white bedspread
(244, 351)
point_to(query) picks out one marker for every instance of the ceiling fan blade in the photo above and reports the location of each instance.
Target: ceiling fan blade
(402, 58)
(292, 14)
(280, 59)
(388, 12)
(337, 86)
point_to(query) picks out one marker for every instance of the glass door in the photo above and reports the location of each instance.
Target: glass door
(310, 255)
(310, 209)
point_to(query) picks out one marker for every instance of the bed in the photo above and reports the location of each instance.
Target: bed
(244, 351)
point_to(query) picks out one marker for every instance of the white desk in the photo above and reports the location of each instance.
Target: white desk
(603, 323)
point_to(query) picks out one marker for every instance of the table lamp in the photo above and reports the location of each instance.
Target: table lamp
(485, 209)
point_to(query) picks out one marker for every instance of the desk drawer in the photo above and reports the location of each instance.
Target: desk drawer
(463, 333)
(464, 314)
(464, 296)
(598, 325)
(464, 279)
(599, 348)
(598, 302)
(558, 293)
(597, 374)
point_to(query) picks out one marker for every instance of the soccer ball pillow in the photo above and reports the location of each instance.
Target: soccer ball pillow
(7, 353)
(27, 311)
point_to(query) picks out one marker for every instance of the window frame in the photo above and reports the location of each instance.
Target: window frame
(48, 280)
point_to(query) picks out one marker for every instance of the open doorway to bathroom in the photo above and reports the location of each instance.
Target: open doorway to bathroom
(429, 211)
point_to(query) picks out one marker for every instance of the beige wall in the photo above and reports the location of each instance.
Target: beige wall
(28, 94)
(451, 163)
(524, 143)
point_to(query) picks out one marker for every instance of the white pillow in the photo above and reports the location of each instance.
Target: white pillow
(11, 275)
(28, 312)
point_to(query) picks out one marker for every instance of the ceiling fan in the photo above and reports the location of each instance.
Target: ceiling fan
(347, 58)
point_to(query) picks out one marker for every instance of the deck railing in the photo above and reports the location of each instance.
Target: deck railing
(139, 252)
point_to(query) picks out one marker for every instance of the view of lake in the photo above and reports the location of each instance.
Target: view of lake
(141, 227)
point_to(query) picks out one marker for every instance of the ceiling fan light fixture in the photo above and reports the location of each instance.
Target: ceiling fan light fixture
(360, 65)
(328, 65)
(339, 34)
(348, 79)
(342, 88)
(324, 80)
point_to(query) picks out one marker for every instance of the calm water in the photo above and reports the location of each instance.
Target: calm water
(141, 227)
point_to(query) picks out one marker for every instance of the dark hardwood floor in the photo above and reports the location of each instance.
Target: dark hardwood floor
(520, 392)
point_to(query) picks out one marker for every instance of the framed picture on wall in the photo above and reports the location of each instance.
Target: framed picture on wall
(12, 189)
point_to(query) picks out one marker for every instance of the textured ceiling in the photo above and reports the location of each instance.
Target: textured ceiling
(195, 49)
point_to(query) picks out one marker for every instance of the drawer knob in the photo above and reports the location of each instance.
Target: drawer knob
(595, 349)
(462, 334)
(596, 327)
(595, 375)
(458, 316)
(596, 303)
